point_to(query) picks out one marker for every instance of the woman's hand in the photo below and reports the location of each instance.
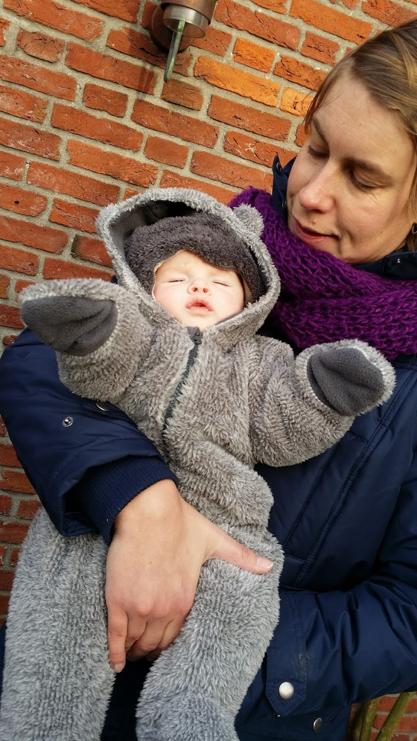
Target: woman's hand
(153, 566)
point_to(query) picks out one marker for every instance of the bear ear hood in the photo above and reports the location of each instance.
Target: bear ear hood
(145, 230)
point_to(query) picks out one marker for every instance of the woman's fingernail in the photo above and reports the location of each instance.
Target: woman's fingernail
(263, 563)
(118, 668)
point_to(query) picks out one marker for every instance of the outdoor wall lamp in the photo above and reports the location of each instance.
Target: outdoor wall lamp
(175, 24)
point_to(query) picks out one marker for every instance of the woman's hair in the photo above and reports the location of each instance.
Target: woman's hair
(387, 66)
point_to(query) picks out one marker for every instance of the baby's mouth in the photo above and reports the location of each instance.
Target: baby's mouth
(199, 305)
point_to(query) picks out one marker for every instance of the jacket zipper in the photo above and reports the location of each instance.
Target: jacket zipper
(196, 337)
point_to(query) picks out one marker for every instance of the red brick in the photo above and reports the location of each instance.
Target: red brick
(250, 119)
(10, 317)
(106, 67)
(103, 99)
(169, 122)
(74, 216)
(4, 25)
(15, 481)
(390, 13)
(55, 15)
(319, 48)
(93, 250)
(56, 84)
(29, 139)
(6, 577)
(4, 606)
(295, 102)
(65, 269)
(91, 127)
(302, 74)
(277, 6)
(166, 151)
(4, 290)
(40, 45)
(21, 284)
(21, 201)
(21, 104)
(11, 166)
(136, 44)
(175, 180)
(318, 15)
(227, 171)
(27, 509)
(115, 165)
(32, 235)
(183, 94)
(14, 556)
(236, 81)
(215, 41)
(253, 55)
(127, 10)
(254, 150)
(257, 23)
(5, 506)
(19, 261)
(8, 456)
(12, 532)
(2, 427)
(72, 184)
(300, 135)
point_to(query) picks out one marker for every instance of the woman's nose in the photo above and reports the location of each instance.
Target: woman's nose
(318, 194)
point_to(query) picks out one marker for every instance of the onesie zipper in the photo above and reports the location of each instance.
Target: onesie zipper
(196, 337)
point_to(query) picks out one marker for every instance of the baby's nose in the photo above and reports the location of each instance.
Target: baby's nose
(199, 285)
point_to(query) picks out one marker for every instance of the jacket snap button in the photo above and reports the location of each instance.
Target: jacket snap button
(317, 724)
(67, 421)
(286, 690)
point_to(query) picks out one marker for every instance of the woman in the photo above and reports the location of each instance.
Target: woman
(347, 519)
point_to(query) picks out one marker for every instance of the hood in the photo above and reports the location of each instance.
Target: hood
(117, 222)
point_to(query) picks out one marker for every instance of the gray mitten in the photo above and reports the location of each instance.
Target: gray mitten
(350, 379)
(71, 324)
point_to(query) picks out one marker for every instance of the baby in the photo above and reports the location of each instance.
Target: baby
(174, 345)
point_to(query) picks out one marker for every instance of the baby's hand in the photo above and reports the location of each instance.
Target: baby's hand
(350, 376)
(73, 316)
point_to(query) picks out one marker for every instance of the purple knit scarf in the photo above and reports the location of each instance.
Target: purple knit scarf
(323, 300)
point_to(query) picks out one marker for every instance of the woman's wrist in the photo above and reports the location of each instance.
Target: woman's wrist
(155, 502)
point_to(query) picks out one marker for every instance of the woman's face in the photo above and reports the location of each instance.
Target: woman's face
(349, 188)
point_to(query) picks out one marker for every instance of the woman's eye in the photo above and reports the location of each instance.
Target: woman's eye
(176, 280)
(361, 184)
(221, 283)
(318, 153)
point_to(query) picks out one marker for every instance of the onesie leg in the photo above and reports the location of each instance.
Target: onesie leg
(57, 679)
(195, 688)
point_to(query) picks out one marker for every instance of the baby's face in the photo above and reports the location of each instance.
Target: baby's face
(195, 293)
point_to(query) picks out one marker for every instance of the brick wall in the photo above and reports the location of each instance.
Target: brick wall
(86, 119)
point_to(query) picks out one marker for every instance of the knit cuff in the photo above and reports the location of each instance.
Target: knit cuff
(104, 490)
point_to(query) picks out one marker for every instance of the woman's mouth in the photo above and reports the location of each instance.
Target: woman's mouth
(308, 235)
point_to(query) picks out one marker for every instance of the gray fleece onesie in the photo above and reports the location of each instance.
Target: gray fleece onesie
(214, 403)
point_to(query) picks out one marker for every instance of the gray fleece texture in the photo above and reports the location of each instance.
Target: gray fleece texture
(214, 403)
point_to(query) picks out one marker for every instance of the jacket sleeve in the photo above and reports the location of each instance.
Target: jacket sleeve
(85, 461)
(341, 647)
(288, 422)
(96, 327)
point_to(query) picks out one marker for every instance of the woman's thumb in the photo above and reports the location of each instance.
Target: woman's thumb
(238, 554)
